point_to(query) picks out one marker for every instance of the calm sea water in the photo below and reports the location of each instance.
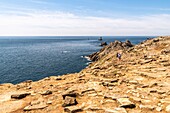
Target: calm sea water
(33, 58)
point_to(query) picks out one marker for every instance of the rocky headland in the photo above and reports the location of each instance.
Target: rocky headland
(138, 83)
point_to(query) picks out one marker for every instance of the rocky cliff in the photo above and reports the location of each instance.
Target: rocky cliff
(138, 83)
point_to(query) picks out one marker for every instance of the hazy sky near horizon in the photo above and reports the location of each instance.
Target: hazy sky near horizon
(84, 17)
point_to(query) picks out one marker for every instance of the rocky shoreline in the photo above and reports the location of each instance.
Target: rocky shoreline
(139, 83)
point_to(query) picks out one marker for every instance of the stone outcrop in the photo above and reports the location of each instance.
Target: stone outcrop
(113, 46)
(138, 83)
(103, 44)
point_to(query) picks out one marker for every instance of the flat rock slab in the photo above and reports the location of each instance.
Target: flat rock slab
(20, 95)
(126, 103)
(35, 106)
(116, 110)
(73, 109)
(11, 106)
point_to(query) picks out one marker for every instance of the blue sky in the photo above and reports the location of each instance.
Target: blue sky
(84, 17)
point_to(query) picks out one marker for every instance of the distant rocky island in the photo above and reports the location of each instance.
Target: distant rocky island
(138, 83)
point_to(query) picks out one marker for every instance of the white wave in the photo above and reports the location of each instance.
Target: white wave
(65, 51)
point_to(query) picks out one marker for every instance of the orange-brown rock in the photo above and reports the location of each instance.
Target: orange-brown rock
(138, 83)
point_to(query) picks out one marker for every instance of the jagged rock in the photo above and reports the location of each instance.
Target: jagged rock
(116, 45)
(73, 109)
(48, 92)
(58, 78)
(69, 101)
(126, 103)
(20, 96)
(156, 40)
(70, 94)
(116, 110)
(100, 39)
(103, 44)
(127, 44)
(168, 108)
(35, 106)
(94, 56)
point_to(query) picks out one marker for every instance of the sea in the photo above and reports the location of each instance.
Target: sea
(36, 57)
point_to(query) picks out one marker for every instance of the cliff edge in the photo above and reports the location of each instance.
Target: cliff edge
(139, 82)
